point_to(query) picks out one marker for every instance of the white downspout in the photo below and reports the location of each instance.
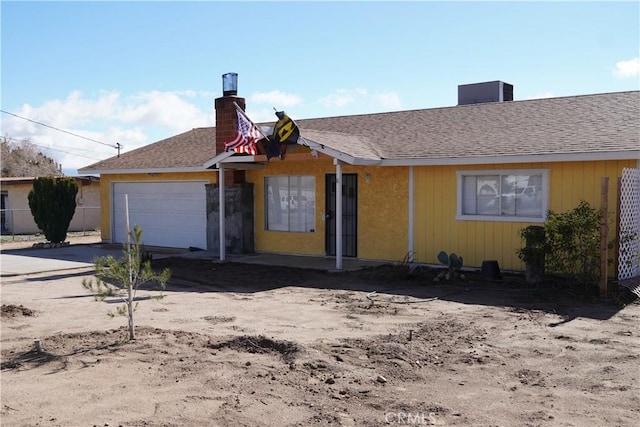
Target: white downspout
(338, 219)
(221, 209)
(411, 207)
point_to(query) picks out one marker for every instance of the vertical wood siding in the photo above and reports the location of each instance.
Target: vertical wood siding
(436, 228)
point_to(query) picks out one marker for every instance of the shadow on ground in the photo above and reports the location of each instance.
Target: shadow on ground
(201, 275)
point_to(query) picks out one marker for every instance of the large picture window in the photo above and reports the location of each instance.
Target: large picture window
(503, 195)
(290, 203)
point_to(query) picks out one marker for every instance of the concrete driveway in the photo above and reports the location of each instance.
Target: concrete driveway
(17, 262)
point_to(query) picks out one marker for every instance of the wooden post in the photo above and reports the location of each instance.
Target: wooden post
(604, 207)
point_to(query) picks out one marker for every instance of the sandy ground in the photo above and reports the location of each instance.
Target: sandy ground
(246, 345)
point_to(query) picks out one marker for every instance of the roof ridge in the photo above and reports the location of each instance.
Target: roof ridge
(481, 104)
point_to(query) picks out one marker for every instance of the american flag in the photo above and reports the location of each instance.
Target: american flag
(246, 137)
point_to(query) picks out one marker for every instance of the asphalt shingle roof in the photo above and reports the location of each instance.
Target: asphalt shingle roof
(186, 150)
(572, 125)
(579, 124)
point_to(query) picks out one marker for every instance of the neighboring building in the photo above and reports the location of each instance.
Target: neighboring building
(462, 179)
(17, 217)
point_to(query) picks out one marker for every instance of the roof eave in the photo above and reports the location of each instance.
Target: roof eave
(504, 159)
(337, 154)
(145, 170)
(211, 163)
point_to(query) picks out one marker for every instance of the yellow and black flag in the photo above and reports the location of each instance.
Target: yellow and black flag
(285, 132)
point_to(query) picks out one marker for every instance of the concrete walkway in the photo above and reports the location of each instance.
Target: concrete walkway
(25, 259)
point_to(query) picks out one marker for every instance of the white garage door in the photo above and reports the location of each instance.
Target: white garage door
(171, 214)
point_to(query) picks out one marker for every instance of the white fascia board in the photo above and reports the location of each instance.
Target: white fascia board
(218, 159)
(243, 166)
(242, 162)
(530, 158)
(367, 162)
(239, 159)
(148, 170)
(336, 154)
(321, 148)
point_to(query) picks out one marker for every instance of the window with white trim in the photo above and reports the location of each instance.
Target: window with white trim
(503, 195)
(290, 203)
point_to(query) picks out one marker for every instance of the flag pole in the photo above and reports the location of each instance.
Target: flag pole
(250, 121)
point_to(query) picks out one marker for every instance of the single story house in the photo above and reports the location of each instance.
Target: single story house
(461, 179)
(18, 219)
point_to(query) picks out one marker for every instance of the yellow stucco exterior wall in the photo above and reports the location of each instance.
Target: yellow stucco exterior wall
(436, 227)
(107, 179)
(382, 210)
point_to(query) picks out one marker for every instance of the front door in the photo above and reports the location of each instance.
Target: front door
(349, 215)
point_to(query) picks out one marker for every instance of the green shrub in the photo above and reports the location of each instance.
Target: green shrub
(52, 201)
(572, 245)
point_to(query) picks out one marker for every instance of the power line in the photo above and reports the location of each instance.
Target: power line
(57, 149)
(62, 151)
(60, 146)
(62, 130)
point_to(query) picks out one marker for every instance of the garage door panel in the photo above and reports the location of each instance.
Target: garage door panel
(168, 223)
(171, 214)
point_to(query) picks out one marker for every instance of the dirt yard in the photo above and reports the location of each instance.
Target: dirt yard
(246, 345)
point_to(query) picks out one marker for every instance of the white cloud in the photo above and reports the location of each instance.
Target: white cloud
(196, 94)
(166, 109)
(108, 117)
(541, 95)
(276, 99)
(261, 115)
(339, 98)
(625, 69)
(372, 101)
(74, 109)
(388, 99)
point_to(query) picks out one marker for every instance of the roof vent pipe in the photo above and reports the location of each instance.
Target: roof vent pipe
(230, 84)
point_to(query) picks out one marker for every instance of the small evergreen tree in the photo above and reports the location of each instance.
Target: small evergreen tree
(52, 201)
(122, 277)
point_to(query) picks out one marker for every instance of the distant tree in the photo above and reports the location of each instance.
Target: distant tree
(53, 202)
(22, 158)
(122, 277)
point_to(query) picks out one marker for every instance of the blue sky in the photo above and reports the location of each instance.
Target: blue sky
(138, 72)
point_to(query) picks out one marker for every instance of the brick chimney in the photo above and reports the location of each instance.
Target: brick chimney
(226, 122)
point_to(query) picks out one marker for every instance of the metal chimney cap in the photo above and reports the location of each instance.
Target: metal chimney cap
(230, 84)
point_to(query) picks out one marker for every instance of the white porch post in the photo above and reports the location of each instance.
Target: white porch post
(411, 206)
(221, 209)
(338, 164)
